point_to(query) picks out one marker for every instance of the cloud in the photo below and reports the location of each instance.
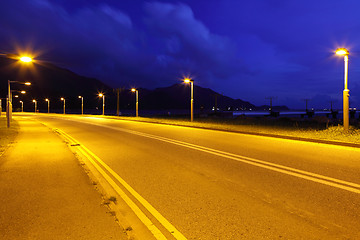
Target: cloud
(247, 50)
(102, 41)
(189, 41)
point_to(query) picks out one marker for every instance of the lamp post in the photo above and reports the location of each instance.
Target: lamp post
(103, 98)
(188, 80)
(22, 106)
(25, 59)
(9, 101)
(35, 102)
(344, 52)
(48, 103)
(82, 104)
(63, 99)
(137, 100)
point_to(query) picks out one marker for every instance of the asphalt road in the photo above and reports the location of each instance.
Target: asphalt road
(219, 185)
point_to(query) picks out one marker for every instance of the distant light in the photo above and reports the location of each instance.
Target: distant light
(342, 51)
(23, 92)
(28, 83)
(100, 94)
(16, 96)
(62, 99)
(26, 59)
(34, 100)
(187, 80)
(80, 97)
(46, 100)
(133, 90)
(21, 102)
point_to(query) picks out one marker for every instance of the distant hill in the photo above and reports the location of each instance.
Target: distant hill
(50, 81)
(177, 96)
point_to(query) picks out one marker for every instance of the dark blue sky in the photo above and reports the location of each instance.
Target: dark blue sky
(243, 49)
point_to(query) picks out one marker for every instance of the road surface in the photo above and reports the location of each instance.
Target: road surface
(218, 185)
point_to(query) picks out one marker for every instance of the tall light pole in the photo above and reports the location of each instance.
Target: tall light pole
(103, 98)
(63, 99)
(188, 80)
(82, 104)
(48, 103)
(35, 102)
(344, 52)
(22, 106)
(9, 101)
(137, 100)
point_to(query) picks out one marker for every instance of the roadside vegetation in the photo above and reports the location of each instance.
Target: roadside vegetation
(320, 128)
(7, 135)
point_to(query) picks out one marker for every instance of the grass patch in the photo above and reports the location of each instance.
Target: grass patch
(316, 128)
(7, 134)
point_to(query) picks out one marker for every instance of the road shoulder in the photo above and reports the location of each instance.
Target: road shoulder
(46, 194)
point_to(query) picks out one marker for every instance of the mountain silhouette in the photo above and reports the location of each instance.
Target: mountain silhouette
(52, 82)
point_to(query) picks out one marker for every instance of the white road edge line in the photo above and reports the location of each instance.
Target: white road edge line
(163, 221)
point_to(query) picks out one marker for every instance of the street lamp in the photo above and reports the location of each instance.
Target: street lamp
(189, 80)
(82, 105)
(26, 59)
(9, 101)
(35, 102)
(63, 99)
(103, 97)
(16, 96)
(344, 52)
(137, 100)
(48, 103)
(22, 106)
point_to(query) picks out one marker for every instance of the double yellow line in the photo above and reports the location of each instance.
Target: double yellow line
(101, 167)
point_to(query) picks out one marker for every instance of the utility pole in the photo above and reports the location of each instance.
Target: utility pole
(306, 103)
(117, 91)
(331, 105)
(271, 99)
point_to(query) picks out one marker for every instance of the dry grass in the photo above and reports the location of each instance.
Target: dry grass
(7, 135)
(312, 130)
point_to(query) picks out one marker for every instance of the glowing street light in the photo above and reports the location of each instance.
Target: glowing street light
(16, 96)
(9, 101)
(82, 104)
(22, 106)
(137, 100)
(344, 52)
(63, 99)
(26, 59)
(103, 98)
(189, 80)
(35, 102)
(48, 103)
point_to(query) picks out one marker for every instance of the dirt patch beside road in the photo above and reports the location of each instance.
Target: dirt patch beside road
(7, 135)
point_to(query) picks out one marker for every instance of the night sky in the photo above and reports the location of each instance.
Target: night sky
(243, 49)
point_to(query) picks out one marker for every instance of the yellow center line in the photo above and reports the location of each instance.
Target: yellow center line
(163, 221)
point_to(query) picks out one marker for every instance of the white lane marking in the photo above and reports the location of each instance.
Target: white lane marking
(345, 185)
(163, 221)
